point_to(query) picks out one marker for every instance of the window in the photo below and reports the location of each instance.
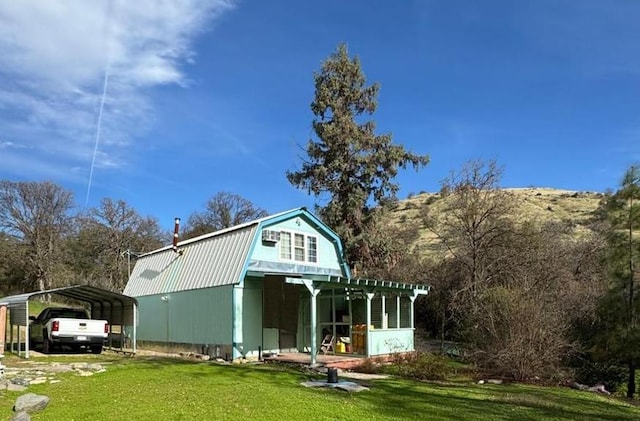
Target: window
(312, 249)
(285, 245)
(299, 247)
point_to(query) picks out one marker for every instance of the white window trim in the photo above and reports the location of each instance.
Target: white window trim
(306, 248)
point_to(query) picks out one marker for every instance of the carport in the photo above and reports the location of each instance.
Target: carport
(117, 309)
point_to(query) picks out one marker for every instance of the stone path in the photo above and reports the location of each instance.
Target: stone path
(18, 378)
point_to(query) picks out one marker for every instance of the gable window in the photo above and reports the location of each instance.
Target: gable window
(312, 249)
(285, 245)
(298, 247)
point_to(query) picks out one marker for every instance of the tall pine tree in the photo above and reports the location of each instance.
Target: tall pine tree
(349, 162)
(618, 335)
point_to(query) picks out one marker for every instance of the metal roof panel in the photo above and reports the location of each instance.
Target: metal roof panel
(211, 261)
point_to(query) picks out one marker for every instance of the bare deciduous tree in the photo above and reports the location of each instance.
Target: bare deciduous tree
(107, 238)
(223, 210)
(36, 213)
(475, 222)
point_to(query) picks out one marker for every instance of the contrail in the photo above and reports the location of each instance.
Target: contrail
(105, 36)
(97, 143)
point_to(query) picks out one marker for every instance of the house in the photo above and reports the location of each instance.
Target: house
(276, 284)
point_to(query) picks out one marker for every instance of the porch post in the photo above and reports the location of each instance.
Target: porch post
(398, 311)
(313, 292)
(314, 321)
(413, 299)
(369, 298)
(385, 321)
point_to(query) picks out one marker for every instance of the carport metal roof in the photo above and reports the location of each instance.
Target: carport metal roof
(117, 309)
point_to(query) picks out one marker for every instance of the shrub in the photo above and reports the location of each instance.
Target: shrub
(369, 366)
(430, 200)
(608, 373)
(420, 366)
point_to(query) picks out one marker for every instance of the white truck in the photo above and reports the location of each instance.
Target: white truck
(57, 326)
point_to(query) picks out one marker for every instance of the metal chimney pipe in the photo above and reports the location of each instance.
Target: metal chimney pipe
(176, 229)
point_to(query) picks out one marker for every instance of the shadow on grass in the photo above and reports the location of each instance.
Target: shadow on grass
(388, 399)
(447, 401)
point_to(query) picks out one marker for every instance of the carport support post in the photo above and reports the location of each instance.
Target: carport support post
(3, 327)
(135, 327)
(26, 339)
(11, 334)
(19, 350)
(26, 334)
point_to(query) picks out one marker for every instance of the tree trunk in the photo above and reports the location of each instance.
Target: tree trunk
(442, 325)
(631, 384)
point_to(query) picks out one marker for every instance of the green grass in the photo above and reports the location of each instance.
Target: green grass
(158, 389)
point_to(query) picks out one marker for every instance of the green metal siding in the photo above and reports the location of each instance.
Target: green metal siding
(191, 317)
(252, 318)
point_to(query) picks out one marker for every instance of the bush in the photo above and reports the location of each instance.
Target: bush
(421, 366)
(430, 200)
(610, 374)
(369, 366)
(417, 365)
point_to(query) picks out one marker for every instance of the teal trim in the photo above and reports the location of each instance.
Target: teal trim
(237, 330)
(245, 266)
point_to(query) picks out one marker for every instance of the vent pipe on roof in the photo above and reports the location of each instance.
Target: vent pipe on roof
(176, 229)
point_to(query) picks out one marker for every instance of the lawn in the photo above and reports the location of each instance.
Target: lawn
(159, 389)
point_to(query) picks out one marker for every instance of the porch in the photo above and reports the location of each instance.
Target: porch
(362, 318)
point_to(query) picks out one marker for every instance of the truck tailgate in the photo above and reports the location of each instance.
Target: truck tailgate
(80, 328)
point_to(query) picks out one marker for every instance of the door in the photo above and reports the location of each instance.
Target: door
(280, 314)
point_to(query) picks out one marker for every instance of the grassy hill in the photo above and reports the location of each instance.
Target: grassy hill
(532, 204)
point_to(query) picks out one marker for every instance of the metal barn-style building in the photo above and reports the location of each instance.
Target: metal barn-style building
(276, 284)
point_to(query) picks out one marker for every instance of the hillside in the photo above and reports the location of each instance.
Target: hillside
(532, 203)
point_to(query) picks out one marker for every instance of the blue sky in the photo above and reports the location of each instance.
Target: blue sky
(213, 95)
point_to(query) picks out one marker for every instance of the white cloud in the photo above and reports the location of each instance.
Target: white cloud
(53, 58)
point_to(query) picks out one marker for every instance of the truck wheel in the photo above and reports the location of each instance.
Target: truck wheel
(96, 349)
(46, 346)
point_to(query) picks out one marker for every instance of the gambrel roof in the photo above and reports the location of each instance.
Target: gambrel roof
(215, 259)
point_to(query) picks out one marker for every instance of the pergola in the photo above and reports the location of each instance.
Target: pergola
(117, 309)
(368, 288)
